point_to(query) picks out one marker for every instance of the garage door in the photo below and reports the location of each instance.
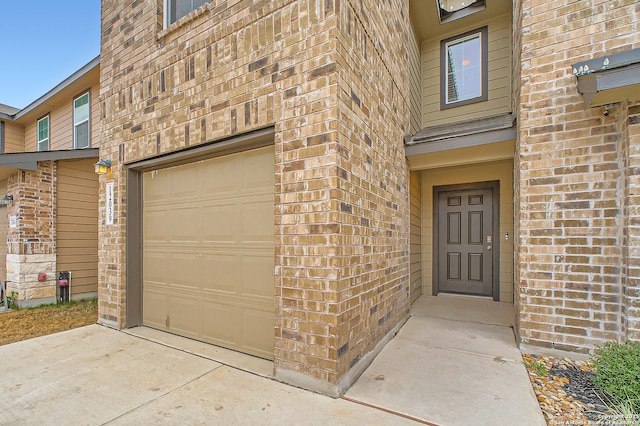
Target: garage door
(208, 251)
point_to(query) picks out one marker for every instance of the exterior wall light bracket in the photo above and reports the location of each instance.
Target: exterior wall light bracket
(102, 167)
(7, 200)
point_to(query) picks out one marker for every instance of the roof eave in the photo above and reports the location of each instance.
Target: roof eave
(59, 88)
(29, 160)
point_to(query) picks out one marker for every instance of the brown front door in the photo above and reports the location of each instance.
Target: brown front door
(466, 244)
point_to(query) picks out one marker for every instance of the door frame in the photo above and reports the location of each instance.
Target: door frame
(494, 185)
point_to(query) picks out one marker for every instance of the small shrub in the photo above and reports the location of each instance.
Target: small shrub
(537, 367)
(11, 300)
(618, 373)
(621, 413)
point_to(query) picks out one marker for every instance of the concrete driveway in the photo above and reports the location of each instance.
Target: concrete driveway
(433, 372)
(94, 375)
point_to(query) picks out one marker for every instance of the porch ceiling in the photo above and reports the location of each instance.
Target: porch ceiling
(496, 151)
(424, 16)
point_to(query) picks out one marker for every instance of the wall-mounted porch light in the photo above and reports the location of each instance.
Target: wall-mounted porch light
(7, 200)
(102, 167)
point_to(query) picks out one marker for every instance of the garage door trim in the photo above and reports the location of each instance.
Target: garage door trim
(134, 172)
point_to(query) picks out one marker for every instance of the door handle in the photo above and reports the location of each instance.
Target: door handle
(489, 248)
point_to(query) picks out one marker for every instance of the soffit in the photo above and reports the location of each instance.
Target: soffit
(424, 16)
(496, 151)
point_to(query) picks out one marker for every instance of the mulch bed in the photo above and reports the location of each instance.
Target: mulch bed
(22, 324)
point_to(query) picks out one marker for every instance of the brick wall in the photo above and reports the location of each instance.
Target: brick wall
(373, 178)
(571, 165)
(341, 231)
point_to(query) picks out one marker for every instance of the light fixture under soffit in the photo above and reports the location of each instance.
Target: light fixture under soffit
(7, 200)
(450, 10)
(102, 167)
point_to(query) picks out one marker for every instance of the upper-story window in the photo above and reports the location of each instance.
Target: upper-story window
(176, 9)
(43, 134)
(463, 69)
(81, 114)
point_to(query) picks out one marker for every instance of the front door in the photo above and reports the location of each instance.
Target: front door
(466, 244)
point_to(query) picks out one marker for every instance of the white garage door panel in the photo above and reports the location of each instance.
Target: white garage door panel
(186, 316)
(216, 182)
(256, 270)
(221, 223)
(155, 226)
(223, 271)
(260, 323)
(184, 224)
(184, 269)
(254, 174)
(256, 216)
(177, 176)
(155, 266)
(209, 251)
(156, 303)
(223, 323)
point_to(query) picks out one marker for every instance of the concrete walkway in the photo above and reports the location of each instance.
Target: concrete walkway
(437, 370)
(455, 362)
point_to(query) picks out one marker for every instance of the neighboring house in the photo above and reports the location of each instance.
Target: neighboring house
(287, 176)
(50, 191)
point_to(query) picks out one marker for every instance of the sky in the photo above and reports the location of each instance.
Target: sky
(42, 42)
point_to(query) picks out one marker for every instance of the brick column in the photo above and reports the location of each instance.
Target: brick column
(31, 242)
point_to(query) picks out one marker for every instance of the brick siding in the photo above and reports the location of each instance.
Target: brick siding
(575, 262)
(316, 70)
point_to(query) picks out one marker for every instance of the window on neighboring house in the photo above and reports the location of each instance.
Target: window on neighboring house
(463, 69)
(43, 134)
(81, 113)
(176, 9)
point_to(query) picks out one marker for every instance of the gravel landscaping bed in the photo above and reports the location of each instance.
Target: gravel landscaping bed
(566, 394)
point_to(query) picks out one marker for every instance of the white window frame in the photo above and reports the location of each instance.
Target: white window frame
(482, 35)
(168, 15)
(44, 141)
(77, 122)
